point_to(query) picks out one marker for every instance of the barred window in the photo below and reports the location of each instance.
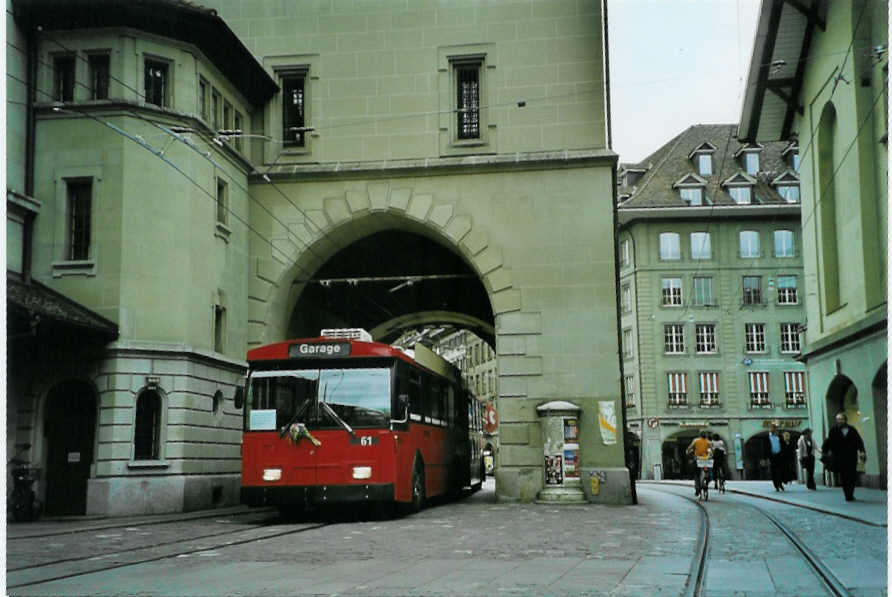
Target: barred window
(147, 427)
(786, 290)
(99, 69)
(674, 338)
(156, 83)
(293, 110)
(630, 391)
(671, 292)
(709, 388)
(790, 338)
(706, 338)
(678, 388)
(79, 219)
(63, 78)
(752, 290)
(759, 388)
(794, 388)
(467, 76)
(755, 337)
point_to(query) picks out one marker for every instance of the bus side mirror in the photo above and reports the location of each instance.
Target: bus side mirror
(402, 408)
(239, 398)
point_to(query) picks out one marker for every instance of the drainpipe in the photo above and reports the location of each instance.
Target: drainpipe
(31, 78)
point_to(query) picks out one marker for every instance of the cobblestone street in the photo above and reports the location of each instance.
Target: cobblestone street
(475, 546)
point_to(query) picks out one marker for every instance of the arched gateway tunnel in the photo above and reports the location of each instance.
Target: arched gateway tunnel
(521, 253)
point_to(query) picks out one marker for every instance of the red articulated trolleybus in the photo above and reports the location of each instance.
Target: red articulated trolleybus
(341, 419)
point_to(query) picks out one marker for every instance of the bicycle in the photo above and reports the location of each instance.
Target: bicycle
(701, 479)
(718, 473)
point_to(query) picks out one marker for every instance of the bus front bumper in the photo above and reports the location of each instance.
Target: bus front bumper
(316, 494)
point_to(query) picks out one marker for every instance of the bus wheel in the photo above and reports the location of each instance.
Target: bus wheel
(418, 491)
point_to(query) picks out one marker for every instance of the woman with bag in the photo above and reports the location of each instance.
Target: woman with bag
(807, 448)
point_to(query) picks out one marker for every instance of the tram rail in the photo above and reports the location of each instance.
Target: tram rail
(60, 569)
(696, 584)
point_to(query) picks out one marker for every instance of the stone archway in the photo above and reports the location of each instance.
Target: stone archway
(315, 236)
(70, 427)
(842, 397)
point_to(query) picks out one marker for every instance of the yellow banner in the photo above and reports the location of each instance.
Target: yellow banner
(607, 420)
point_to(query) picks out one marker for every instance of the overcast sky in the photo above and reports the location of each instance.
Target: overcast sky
(674, 63)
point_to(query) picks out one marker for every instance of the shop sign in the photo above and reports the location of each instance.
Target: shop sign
(782, 423)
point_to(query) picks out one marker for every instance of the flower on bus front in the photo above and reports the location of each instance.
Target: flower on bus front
(297, 431)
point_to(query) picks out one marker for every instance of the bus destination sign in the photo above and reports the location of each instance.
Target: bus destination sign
(319, 350)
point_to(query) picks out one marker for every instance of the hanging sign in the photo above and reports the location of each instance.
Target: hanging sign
(607, 421)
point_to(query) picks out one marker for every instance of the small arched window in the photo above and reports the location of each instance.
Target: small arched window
(147, 427)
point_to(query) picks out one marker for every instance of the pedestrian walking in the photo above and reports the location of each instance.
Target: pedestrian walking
(807, 448)
(776, 457)
(788, 454)
(841, 451)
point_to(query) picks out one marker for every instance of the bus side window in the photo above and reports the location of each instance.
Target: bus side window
(416, 407)
(451, 417)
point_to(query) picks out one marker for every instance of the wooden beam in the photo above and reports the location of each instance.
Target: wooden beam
(777, 8)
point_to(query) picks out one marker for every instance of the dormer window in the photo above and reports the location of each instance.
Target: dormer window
(791, 155)
(740, 188)
(702, 158)
(692, 196)
(741, 195)
(749, 158)
(704, 164)
(690, 189)
(787, 186)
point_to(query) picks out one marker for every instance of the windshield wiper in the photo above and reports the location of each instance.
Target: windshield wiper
(333, 414)
(293, 419)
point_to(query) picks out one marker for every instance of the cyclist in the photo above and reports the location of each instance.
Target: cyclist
(718, 459)
(701, 447)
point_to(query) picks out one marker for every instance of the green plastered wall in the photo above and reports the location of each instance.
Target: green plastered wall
(374, 65)
(848, 341)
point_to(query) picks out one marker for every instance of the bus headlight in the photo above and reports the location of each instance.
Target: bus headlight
(362, 472)
(272, 474)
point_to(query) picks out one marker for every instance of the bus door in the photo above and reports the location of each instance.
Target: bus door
(284, 403)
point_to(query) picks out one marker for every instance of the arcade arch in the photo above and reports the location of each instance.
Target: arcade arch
(677, 464)
(842, 396)
(340, 247)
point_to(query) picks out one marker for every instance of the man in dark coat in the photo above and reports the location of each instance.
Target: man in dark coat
(841, 450)
(776, 453)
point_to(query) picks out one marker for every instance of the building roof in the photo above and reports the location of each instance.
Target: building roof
(25, 300)
(672, 164)
(780, 54)
(175, 19)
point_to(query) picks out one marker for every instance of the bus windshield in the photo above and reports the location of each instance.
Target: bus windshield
(359, 397)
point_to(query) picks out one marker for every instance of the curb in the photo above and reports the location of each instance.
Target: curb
(816, 508)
